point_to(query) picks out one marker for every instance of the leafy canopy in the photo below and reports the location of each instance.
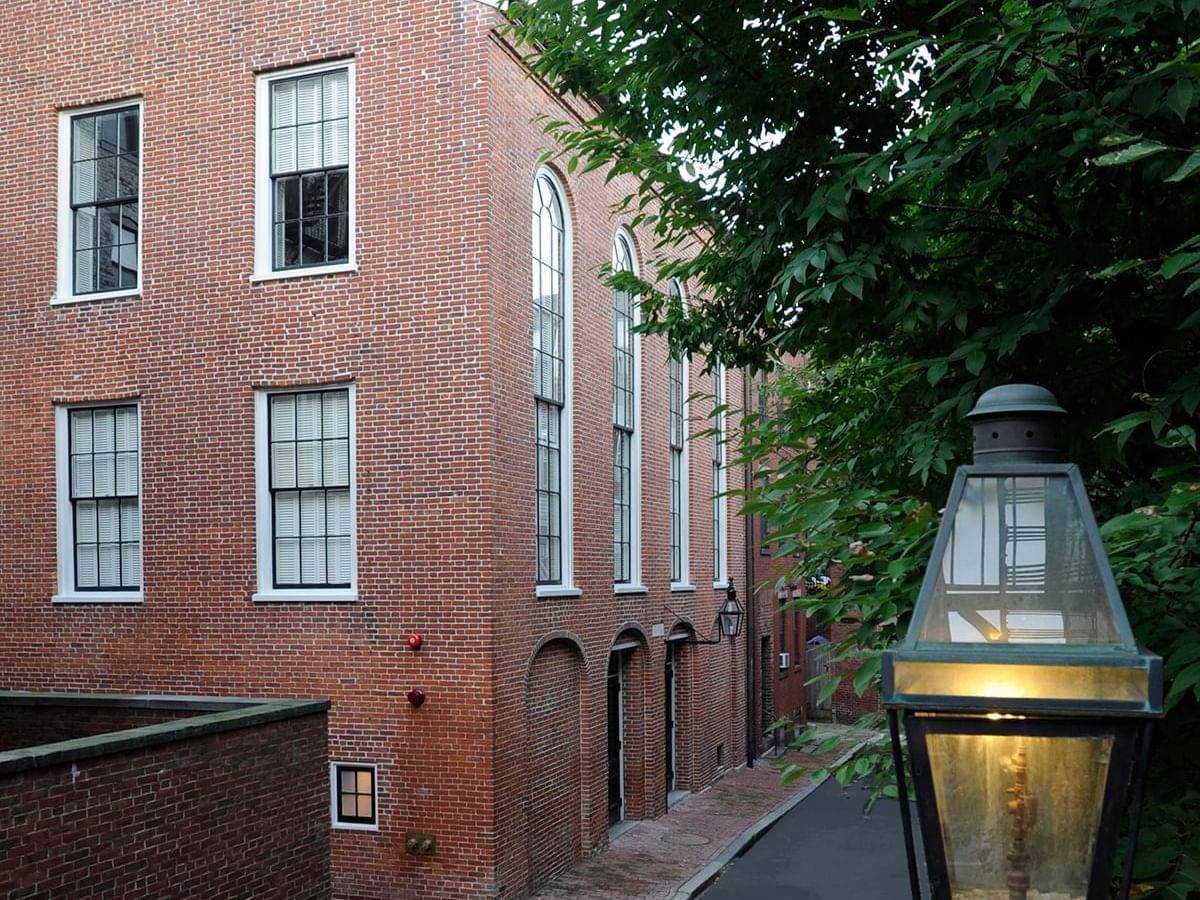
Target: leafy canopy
(925, 200)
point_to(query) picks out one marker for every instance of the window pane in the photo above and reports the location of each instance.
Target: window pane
(85, 522)
(85, 227)
(103, 430)
(364, 782)
(312, 513)
(126, 428)
(106, 134)
(337, 143)
(339, 560)
(287, 515)
(283, 465)
(106, 178)
(349, 807)
(336, 414)
(346, 777)
(131, 520)
(110, 565)
(83, 182)
(308, 416)
(312, 560)
(287, 561)
(83, 138)
(129, 131)
(308, 147)
(283, 418)
(108, 271)
(104, 482)
(283, 103)
(308, 99)
(287, 198)
(338, 233)
(108, 526)
(85, 566)
(127, 176)
(127, 473)
(313, 242)
(308, 464)
(81, 476)
(131, 565)
(337, 94)
(365, 807)
(81, 431)
(283, 157)
(339, 192)
(336, 463)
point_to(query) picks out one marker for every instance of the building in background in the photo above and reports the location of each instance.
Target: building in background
(306, 353)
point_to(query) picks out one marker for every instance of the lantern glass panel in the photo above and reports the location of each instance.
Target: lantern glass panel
(1019, 806)
(1019, 568)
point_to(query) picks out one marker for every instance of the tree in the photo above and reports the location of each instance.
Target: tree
(926, 200)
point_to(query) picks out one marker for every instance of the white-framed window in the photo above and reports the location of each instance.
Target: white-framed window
(720, 502)
(305, 480)
(552, 385)
(627, 438)
(304, 171)
(677, 377)
(99, 202)
(354, 795)
(99, 476)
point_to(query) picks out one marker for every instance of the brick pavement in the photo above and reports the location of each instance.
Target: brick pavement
(653, 859)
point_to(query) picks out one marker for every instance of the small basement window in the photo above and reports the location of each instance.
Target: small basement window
(353, 796)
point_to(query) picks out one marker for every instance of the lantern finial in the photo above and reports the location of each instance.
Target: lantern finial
(1017, 423)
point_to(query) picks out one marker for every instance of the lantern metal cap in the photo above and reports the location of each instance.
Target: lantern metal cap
(1017, 423)
(1015, 398)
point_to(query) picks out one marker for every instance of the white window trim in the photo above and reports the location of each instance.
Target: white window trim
(333, 796)
(721, 576)
(267, 592)
(634, 585)
(64, 290)
(566, 586)
(685, 584)
(263, 267)
(67, 593)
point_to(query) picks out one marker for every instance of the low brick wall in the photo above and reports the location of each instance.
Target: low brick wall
(209, 807)
(29, 726)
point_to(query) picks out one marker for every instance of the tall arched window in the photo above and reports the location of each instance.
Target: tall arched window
(551, 381)
(626, 456)
(720, 502)
(677, 439)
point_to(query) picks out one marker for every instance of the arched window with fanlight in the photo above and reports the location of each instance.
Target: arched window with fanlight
(552, 383)
(626, 437)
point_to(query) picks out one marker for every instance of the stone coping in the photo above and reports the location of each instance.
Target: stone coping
(215, 716)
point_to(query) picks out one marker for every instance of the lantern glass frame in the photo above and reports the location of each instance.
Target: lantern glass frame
(1125, 736)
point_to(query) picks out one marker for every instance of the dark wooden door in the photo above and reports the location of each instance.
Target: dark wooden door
(615, 800)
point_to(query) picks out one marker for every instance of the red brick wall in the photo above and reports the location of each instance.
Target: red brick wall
(435, 332)
(28, 726)
(223, 817)
(712, 679)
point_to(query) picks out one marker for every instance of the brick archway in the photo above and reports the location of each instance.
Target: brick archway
(554, 818)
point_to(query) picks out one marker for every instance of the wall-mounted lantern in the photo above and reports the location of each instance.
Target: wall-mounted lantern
(729, 619)
(1026, 702)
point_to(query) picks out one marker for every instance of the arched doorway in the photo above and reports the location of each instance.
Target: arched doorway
(626, 743)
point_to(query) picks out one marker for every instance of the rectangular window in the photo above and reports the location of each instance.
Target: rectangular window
(678, 473)
(306, 171)
(306, 495)
(719, 501)
(626, 566)
(353, 796)
(100, 521)
(99, 202)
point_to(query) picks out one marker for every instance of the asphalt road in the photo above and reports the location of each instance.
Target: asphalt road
(823, 849)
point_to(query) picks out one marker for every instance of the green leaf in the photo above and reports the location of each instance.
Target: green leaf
(1189, 167)
(1175, 264)
(975, 361)
(1140, 150)
(937, 371)
(1116, 268)
(997, 147)
(866, 674)
(1179, 98)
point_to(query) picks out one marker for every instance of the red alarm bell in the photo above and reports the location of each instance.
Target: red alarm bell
(415, 640)
(416, 696)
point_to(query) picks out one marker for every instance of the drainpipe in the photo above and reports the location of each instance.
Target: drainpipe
(752, 695)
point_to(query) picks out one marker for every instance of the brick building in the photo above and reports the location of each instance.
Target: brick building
(274, 395)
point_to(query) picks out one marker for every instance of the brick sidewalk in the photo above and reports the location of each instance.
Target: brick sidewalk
(653, 859)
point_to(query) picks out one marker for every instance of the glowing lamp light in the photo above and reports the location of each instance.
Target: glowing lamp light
(1026, 702)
